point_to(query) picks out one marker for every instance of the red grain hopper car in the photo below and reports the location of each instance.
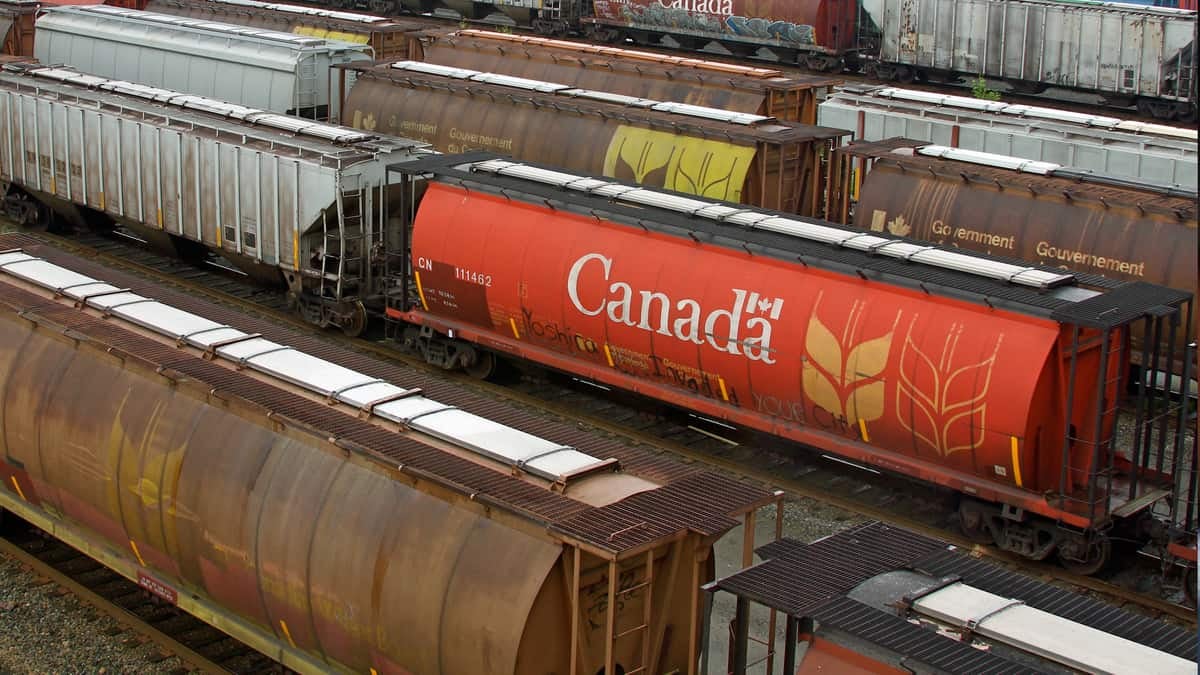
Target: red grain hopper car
(999, 380)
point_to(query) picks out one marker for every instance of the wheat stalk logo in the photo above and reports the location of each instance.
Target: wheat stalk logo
(942, 401)
(841, 374)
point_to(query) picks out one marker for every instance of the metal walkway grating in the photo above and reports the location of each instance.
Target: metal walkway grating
(915, 643)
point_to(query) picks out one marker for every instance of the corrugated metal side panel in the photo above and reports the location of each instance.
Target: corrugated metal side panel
(1068, 605)
(166, 178)
(1108, 49)
(231, 68)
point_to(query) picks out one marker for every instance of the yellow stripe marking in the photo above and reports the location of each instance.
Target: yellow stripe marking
(513, 322)
(721, 384)
(218, 235)
(421, 290)
(133, 545)
(608, 355)
(287, 633)
(101, 201)
(1016, 459)
(159, 215)
(18, 487)
(53, 186)
(862, 426)
(296, 251)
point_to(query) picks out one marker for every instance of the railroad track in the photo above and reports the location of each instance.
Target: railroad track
(798, 471)
(139, 615)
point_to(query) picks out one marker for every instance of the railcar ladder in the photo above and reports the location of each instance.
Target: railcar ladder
(788, 104)
(1110, 409)
(307, 104)
(346, 240)
(615, 634)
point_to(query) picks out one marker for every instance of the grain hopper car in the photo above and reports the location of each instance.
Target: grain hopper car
(733, 87)
(257, 68)
(1102, 144)
(1000, 380)
(286, 200)
(740, 157)
(388, 38)
(337, 517)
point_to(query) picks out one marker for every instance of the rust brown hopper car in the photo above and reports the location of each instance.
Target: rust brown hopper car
(269, 489)
(634, 73)
(16, 26)
(1036, 211)
(738, 157)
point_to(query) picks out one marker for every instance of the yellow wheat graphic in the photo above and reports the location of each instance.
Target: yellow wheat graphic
(923, 392)
(698, 166)
(847, 387)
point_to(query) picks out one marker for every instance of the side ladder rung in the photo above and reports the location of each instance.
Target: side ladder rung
(632, 589)
(631, 631)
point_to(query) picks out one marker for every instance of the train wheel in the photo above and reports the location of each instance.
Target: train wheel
(483, 366)
(1085, 555)
(972, 520)
(26, 211)
(356, 322)
(817, 62)
(1161, 110)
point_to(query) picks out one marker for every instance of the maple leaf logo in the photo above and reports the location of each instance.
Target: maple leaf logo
(899, 226)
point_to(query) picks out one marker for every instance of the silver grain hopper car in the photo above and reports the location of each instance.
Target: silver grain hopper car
(1127, 54)
(286, 200)
(273, 71)
(1150, 153)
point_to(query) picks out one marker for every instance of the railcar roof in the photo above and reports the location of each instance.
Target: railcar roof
(697, 120)
(310, 15)
(1074, 298)
(603, 57)
(1041, 178)
(331, 144)
(189, 25)
(825, 580)
(629, 54)
(688, 499)
(1101, 127)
